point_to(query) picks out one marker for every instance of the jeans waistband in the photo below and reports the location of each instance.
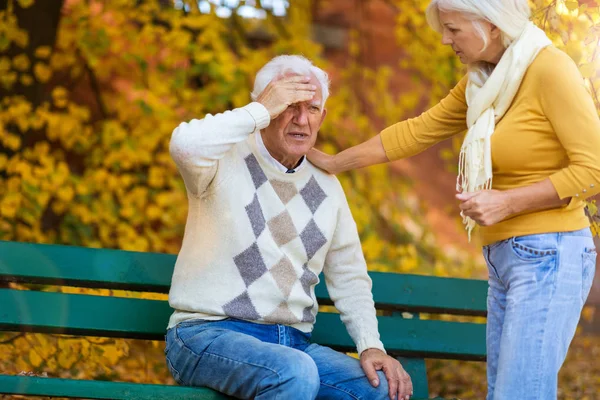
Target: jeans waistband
(271, 333)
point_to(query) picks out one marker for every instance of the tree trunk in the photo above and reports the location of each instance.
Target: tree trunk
(41, 23)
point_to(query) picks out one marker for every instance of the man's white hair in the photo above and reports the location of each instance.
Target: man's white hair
(289, 63)
(510, 16)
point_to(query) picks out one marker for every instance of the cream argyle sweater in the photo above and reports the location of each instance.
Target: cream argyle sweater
(256, 238)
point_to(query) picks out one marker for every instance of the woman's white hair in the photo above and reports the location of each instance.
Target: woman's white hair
(284, 64)
(510, 16)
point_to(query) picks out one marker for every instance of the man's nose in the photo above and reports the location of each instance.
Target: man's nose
(301, 115)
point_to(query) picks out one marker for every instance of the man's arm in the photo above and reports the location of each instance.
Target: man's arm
(349, 286)
(348, 283)
(198, 145)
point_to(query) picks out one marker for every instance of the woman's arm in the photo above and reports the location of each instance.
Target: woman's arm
(403, 139)
(365, 154)
(570, 109)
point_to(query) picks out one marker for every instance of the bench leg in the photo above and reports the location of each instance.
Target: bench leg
(415, 367)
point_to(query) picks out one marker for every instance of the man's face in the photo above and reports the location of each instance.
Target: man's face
(294, 132)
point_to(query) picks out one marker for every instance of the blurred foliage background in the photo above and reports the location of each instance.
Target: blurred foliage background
(91, 91)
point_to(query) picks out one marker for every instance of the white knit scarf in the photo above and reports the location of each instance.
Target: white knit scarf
(488, 99)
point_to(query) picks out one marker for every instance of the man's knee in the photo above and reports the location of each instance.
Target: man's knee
(381, 392)
(298, 376)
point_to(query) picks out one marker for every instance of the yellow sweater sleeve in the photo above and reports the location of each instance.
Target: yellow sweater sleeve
(446, 119)
(569, 107)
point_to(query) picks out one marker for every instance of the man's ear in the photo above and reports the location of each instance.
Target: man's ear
(323, 114)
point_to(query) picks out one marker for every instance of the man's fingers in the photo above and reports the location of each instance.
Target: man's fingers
(303, 93)
(302, 96)
(302, 86)
(405, 389)
(406, 384)
(371, 373)
(296, 79)
(393, 380)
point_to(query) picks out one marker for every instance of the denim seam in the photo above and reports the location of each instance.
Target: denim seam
(176, 376)
(199, 357)
(589, 255)
(354, 396)
(217, 355)
(258, 384)
(537, 381)
(247, 363)
(182, 343)
(243, 362)
(489, 261)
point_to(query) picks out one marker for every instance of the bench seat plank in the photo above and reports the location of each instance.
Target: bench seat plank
(35, 386)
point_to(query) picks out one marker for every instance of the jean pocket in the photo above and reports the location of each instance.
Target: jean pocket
(531, 248)
(186, 329)
(589, 268)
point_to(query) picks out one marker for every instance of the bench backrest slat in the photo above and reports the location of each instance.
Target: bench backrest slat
(118, 269)
(79, 314)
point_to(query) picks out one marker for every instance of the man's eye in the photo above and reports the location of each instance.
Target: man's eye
(314, 109)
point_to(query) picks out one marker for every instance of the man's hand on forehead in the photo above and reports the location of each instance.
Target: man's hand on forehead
(291, 74)
(286, 90)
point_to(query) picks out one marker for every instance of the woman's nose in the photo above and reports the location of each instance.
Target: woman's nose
(446, 39)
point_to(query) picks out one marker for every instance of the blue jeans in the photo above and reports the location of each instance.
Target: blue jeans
(256, 361)
(538, 285)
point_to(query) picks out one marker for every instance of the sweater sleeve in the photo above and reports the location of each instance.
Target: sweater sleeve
(198, 145)
(348, 283)
(446, 119)
(569, 107)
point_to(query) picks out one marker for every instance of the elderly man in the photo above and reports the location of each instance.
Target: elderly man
(262, 225)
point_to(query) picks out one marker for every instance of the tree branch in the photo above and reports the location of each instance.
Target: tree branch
(12, 339)
(93, 83)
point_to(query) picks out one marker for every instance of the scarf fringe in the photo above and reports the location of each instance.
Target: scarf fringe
(463, 184)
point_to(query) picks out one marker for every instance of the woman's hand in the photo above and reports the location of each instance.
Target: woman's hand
(486, 207)
(322, 160)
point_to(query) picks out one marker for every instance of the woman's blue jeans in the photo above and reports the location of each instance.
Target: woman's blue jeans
(538, 285)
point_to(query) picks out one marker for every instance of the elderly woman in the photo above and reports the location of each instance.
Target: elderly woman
(530, 157)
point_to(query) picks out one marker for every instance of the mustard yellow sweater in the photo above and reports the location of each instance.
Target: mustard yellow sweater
(551, 130)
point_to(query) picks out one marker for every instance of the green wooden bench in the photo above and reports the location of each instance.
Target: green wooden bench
(410, 339)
